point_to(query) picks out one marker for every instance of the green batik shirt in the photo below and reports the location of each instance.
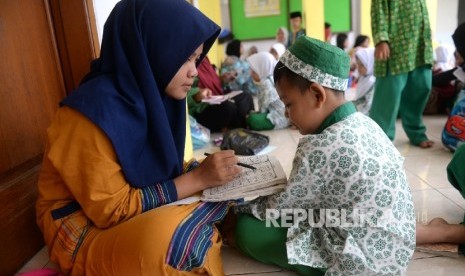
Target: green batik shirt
(404, 24)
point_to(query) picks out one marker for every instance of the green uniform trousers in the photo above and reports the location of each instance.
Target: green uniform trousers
(267, 244)
(405, 95)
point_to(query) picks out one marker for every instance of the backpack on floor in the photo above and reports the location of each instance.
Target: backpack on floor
(244, 141)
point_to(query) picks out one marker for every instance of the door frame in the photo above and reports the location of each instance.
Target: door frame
(74, 35)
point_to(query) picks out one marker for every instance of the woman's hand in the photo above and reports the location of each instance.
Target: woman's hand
(382, 51)
(204, 93)
(217, 169)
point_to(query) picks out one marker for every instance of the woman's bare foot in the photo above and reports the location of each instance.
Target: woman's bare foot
(426, 144)
(440, 231)
(430, 232)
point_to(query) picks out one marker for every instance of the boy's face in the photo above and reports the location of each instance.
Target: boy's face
(302, 108)
(296, 22)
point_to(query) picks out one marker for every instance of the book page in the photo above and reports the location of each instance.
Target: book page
(217, 99)
(268, 178)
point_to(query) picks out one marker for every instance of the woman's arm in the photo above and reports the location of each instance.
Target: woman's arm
(217, 169)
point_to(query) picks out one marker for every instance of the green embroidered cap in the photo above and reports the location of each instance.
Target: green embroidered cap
(319, 62)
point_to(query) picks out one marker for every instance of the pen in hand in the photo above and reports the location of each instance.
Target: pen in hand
(239, 163)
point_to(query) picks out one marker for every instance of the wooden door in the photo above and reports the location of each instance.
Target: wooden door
(39, 65)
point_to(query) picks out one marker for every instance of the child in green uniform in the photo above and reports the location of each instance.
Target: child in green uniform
(404, 58)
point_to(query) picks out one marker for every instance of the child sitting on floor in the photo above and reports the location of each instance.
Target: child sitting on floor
(365, 60)
(347, 209)
(271, 113)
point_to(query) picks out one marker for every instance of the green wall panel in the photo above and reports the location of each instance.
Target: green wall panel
(262, 27)
(337, 13)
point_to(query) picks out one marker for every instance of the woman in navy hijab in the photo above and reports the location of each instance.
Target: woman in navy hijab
(114, 155)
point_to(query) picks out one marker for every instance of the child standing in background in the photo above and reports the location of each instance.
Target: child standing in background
(271, 114)
(296, 27)
(403, 72)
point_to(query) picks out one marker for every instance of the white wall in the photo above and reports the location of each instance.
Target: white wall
(102, 9)
(446, 23)
(447, 20)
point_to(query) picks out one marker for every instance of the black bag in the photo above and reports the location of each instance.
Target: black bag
(244, 142)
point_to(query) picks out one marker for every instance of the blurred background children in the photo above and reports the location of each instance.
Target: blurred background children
(365, 60)
(271, 109)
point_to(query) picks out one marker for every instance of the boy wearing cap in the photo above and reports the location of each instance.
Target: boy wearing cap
(347, 209)
(296, 27)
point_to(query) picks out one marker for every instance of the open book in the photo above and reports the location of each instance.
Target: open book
(217, 99)
(268, 178)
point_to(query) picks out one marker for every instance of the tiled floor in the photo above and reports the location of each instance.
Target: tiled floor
(426, 172)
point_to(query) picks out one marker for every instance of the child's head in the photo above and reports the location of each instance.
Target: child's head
(296, 20)
(235, 48)
(277, 50)
(311, 78)
(365, 58)
(282, 35)
(261, 65)
(444, 57)
(327, 32)
(459, 42)
(342, 41)
(362, 41)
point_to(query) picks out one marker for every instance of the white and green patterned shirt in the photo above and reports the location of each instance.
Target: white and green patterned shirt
(350, 166)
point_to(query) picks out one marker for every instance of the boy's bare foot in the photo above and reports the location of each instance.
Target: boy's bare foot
(426, 144)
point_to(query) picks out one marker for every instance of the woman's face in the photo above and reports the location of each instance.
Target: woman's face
(182, 82)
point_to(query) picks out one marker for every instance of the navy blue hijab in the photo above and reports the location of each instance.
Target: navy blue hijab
(145, 42)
